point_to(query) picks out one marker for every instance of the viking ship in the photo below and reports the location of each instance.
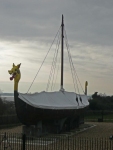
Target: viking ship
(49, 107)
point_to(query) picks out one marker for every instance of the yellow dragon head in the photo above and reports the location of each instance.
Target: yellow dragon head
(15, 72)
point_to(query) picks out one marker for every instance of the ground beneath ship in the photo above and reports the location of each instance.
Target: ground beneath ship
(89, 129)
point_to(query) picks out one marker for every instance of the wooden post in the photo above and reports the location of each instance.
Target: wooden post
(23, 141)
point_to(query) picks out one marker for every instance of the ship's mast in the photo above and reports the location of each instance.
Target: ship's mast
(62, 51)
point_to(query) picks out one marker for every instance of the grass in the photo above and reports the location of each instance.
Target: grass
(94, 116)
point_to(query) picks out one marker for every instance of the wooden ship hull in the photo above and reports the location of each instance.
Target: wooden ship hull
(29, 115)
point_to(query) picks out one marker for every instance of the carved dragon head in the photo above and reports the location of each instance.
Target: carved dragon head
(15, 72)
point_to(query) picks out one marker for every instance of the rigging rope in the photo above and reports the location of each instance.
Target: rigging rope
(73, 64)
(56, 76)
(43, 60)
(53, 64)
(71, 68)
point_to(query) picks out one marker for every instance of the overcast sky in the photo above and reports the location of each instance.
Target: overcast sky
(27, 29)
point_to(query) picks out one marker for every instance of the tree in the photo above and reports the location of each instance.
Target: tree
(95, 95)
(100, 102)
(1, 106)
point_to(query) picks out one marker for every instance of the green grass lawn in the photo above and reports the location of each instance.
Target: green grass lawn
(95, 116)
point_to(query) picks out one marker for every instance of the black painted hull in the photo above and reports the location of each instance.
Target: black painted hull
(29, 115)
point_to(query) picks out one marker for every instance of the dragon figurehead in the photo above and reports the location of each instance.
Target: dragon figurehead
(16, 75)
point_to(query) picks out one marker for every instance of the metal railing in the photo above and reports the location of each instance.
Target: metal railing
(11, 141)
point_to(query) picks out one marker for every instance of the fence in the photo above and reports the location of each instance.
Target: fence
(53, 142)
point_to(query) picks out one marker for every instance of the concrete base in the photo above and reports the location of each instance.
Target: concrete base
(33, 130)
(54, 126)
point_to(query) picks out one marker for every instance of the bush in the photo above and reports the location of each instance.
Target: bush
(6, 107)
(101, 102)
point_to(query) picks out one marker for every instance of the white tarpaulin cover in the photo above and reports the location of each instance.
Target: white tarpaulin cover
(55, 100)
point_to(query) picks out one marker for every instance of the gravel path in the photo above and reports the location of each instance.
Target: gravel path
(99, 130)
(17, 129)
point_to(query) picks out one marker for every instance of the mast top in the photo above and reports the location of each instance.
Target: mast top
(62, 21)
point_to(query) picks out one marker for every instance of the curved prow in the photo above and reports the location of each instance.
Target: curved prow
(86, 84)
(16, 75)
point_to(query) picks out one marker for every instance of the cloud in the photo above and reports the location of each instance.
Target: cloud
(28, 28)
(87, 22)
